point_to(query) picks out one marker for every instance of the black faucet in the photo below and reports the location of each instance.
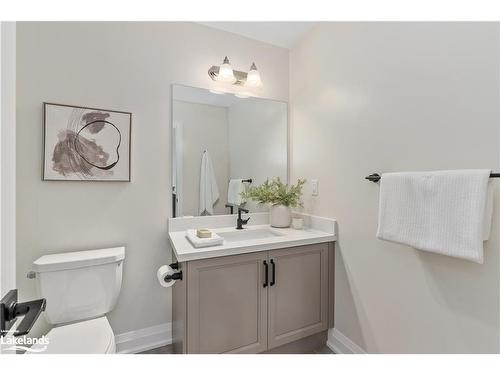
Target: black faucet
(240, 221)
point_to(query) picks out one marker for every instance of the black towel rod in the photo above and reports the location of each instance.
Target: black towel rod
(375, 177)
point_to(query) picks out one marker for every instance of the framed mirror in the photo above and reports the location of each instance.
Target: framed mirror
(221, 145)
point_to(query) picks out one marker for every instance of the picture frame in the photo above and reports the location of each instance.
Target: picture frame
(86, 144)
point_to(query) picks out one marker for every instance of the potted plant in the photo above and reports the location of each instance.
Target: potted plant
(282, 197)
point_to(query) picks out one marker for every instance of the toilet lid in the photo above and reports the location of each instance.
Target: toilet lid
(88, 337)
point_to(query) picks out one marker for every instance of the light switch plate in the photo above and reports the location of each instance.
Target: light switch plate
(315, 187)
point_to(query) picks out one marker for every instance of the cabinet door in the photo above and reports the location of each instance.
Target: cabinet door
(227, 305)
(298, 300)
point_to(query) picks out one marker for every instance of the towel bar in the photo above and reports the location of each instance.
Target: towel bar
(375, 177)
(248, 180)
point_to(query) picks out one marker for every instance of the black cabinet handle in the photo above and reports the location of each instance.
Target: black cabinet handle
(266, 273)
(274, 273)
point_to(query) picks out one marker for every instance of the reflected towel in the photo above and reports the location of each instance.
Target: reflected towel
(234, 190)
(446, 212)
(209, 191)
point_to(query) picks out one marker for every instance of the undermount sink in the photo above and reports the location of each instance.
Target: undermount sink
(248, 234)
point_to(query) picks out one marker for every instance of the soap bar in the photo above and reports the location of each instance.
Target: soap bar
(203, 233)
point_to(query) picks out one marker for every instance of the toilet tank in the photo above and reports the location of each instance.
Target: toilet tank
(79, 285)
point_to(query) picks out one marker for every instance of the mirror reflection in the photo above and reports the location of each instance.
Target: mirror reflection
(221, 145)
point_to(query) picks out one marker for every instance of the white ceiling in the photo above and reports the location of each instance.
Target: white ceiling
(281, 34)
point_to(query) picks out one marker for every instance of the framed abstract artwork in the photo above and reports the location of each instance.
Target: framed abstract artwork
(85, 144)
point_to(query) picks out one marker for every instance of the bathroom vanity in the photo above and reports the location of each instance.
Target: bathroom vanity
(263, 290)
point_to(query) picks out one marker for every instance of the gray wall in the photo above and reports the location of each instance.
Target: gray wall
(122, 66)
(380, 97)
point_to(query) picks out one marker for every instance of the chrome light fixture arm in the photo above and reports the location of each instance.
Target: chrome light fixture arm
(241, 77)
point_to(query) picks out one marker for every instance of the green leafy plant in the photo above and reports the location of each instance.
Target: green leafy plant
(276, 192)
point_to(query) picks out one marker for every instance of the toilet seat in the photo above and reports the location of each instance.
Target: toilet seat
(93, 336)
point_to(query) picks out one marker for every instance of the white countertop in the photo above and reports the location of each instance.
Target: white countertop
(317, 230)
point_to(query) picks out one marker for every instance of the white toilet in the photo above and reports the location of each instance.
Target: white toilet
(80, 288)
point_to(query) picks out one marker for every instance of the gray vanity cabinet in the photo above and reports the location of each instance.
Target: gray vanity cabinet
(227, 305)
(298, 300)
(254, 302)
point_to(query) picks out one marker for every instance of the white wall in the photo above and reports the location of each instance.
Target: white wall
(123, 66)
(380, 97)
(204, 127)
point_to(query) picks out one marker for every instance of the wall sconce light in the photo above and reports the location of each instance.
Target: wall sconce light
(226, 74)
(253, 77)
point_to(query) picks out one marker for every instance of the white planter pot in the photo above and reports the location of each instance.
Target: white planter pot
(280, 216)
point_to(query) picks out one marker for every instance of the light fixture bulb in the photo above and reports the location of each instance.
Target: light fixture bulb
(253, 77)
(226, 74)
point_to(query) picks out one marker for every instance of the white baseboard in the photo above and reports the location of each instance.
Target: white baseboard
(161, 335)
(340, 344)
(144, 339)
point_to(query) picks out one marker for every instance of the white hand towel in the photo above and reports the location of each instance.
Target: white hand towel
(446, 212)
(197, 242)
(209, 191)
(234, 190)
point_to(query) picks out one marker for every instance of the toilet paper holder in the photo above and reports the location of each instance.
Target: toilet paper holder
(176, 275)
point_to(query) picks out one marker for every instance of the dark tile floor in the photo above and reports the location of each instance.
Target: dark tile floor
(324, 350)
(167, 349)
